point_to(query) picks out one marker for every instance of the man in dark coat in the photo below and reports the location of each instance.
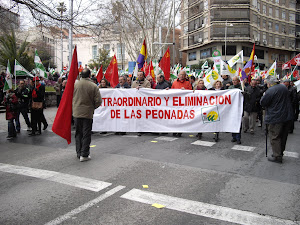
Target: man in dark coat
(161, 82)
(279, 115)
(122, 83)
(251, 106)
(294, 101)
(22, 92)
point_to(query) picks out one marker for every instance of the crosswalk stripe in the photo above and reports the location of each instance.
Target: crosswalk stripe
(204, 209)
(163, 138)
(71, 180)
(204, 143)
(291, 154)
(87, 205)
(243, 148)
(130, 136)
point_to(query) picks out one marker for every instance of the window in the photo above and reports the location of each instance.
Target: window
(277, 27)
(206, 53)
(106, 47)
(277, 1)
(270, 11)
(283, 15)
(283, 29)
(270, 40)
(292, 31)
(258, 6)
(277, 13)
(292, 4)
(276, 41)
(94, 51)
(270, 26)
(292, 43)
(258, 21)
(120, 51)
(205, 5)
(254, 3)
(292, 17)
(264, 24)
(264, 9)
(192, 56)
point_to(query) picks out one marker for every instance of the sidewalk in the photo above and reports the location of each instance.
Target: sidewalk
(49, 113)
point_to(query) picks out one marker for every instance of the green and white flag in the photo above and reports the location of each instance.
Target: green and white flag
(205, 65)
(39, 66)
(235, 59)
(8, 78)
(20, 70)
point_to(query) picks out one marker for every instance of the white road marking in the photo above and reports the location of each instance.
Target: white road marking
(243, 148)
(87, 205)
(163, 138)
(130, 136)
(204, 143)
(104, 135)
(204, 209)
(71, 180)
(291, 154)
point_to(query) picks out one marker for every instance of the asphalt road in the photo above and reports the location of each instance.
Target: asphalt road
(42, 181)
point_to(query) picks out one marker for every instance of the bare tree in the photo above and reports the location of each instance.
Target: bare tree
(139, 19)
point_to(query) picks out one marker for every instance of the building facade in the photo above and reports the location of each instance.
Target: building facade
(208, 25)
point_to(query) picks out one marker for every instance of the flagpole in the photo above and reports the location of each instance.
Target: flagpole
(15, 75)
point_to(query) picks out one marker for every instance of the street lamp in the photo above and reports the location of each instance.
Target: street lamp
(61, 8)
(226, 25)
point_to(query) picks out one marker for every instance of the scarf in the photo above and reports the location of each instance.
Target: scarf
(34, 94)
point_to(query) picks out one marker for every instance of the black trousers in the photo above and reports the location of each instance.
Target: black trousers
(58, 98)
(83, 136)
(24, 112)
(36, 120)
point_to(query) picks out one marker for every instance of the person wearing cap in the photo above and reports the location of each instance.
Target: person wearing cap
(278, 118)
(38, 95)
(294, 100)
(86, 99)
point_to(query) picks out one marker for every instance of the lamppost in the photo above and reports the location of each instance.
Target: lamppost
(61, 8)
(226, 25)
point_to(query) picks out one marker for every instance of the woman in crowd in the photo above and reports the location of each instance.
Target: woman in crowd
(11, 102)
(104, 83)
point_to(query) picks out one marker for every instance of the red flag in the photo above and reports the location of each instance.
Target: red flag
(151, 71)
(99, 75)
(145, 68)
(286, 65)
(62, 121)
(111, 73)
(296, 60)
(164, 64)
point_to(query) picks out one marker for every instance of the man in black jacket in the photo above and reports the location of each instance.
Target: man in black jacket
(162, 83)
(251, 106)
(279, 116)
(22, 92)
(294, 101)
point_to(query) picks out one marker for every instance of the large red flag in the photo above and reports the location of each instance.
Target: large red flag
(62, 121)
(111, 73)
(164, 64)
(296, 60)
(99, 75)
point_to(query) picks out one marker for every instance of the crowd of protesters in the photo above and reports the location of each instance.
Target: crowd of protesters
(27, 97)
(31, 96)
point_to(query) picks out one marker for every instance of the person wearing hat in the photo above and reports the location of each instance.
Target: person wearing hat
(294, 100)
(279, 115)
(38, 95)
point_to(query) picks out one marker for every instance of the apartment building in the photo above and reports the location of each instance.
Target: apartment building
(273, 25)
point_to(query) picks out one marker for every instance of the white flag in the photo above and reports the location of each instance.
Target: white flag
(235, 59)
(271, 71)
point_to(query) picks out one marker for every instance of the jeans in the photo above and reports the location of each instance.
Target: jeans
(83, 136)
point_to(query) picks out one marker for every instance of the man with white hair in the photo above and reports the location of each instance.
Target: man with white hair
(279, 116)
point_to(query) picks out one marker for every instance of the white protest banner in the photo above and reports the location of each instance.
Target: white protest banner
(185, 111)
